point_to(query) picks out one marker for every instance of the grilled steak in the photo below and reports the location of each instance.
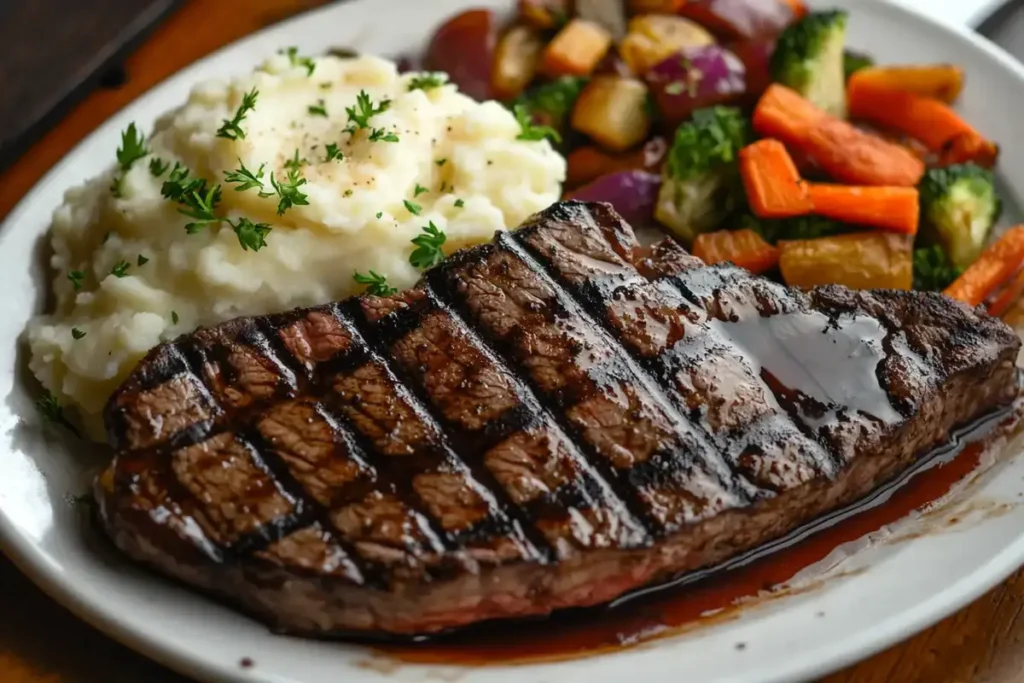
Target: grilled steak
(550, 420)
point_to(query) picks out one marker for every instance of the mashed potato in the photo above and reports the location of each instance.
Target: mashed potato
(457, 163)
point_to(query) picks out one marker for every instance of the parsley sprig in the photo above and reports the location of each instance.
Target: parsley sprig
(76, 277)
(245, 178)
(120, 269)
(53, 412)
(376, 283)
(157, 167)
(250, 235)
(333, 152)
(296, 59)
(133, 148)
(288, 191)
(232, 128)
(318, 109)
(426, 81)
(530, 130)
(428, 247)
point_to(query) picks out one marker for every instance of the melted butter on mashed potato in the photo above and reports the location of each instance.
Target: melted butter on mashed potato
(478, 177)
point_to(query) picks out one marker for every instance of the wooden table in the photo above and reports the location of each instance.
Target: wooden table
(41, 643)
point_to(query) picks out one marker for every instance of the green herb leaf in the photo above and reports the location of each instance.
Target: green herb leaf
(379, 214)
(376, 284)
(250, 235)
(459, 203)
(77, 333)
(232, 129)
(380, 135)
(120, 269)
(116, 185)
(412, 208)
(427, 81)
(348, 192)
(333, 152)
(441, 162)
(133, 147)
(174, 317)
(157, 167)
(360, 114)
(288, 191)
(428, 247)
(142, 260)
(76, 277)
(52, 411)
(245, 178)
(297, 60)
(419, 189)
(317, 109)
(531, 131)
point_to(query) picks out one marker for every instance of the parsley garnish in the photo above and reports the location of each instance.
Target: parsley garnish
(133, 148)
(379, 214)
(232, 129)
(77, 333)
(250, 235)
(441, 162)
(333, 152)
(157, 166)
(296, 60)
(459, 203)
(428, 247)
(427, 81)
(288, 191)
(359, 115)
(120, 269)
(174, 317)
(295, 163)
(76, 277)
(245, 178)
(412, 208)
(376, 284)
(348, 192)
(380, 135)
(52, 411)
(531, 131)
(142, 260)
(198, 201)
(419, 190)
(317, 109)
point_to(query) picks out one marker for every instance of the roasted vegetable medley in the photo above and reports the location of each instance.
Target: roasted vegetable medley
(751, 131)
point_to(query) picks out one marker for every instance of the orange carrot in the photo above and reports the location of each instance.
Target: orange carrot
(969, 147)
(799, 8)
(894, 209)
(994, 267)
(841, 150)
(932, 122)
(745, 248)
(1008, 296)
(938, 81)
(773, 184)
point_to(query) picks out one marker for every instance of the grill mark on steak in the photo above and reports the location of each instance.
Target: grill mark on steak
(445, 363)
(671, 340)
(640, 444)
(364, 500)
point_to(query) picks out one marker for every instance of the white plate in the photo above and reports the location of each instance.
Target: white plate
(899, 588)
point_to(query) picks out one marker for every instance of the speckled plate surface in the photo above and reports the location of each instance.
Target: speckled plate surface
(883, 593)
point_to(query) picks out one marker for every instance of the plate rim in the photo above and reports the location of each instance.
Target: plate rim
(32, 562)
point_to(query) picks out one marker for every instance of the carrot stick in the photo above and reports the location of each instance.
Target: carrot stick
(932, 122)
(969, 147)
(941, 82)
(1008, 296)
(799, 8)
(773, 184)
(894, 209)
(744, 248)
(841, 150)
(995, 266)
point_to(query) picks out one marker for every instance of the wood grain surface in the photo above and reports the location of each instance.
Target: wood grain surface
(41, 643)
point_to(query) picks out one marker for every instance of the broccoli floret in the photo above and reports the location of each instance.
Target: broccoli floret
(959, 207)
(854, 62)
(796, 228)
(551, 103)
(808, 57)
(932, 270)
(701, 184)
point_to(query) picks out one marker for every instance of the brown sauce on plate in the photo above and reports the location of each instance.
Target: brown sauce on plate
(713, 594)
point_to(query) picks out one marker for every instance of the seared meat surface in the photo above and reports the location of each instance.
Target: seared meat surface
(550, 420)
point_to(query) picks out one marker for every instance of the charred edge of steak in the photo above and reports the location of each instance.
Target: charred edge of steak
(485, 445)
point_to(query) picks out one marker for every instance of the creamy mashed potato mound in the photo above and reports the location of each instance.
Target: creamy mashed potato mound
(459, 161)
